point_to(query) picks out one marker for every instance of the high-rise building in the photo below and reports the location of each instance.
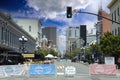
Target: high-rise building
(75, 37)
(83, 33)
(51, 34)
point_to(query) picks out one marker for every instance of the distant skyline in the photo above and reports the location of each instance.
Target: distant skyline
(53, 12)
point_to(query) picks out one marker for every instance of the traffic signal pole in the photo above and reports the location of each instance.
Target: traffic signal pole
(69, 14)
(99, 16)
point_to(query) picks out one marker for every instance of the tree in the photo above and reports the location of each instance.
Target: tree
(73, 53)
(53, 52)
(110, 44)
(88, 53)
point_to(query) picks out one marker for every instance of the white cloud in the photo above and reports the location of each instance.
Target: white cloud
(55, 9)
(52, 8)
(90, 25)
(96, 4)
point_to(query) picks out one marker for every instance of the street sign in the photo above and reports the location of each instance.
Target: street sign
(28, 55)
(70, 70)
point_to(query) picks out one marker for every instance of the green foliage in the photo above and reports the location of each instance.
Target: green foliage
(88, 51)
(51, 51)
(76, 51)
(110, 44)
(43, 52)
(95, 47)
(73, 53)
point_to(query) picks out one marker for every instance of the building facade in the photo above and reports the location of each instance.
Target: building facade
(75, 37)
(103, 25)
(31, 26)
(72, 38)
(10, 33)
(51, 34)
(91, 37)
(114, 7)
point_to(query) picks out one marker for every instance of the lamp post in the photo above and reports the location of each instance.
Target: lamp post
(38, 49)
(23, 40)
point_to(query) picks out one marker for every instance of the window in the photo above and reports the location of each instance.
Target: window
(112, 17)
(75, 33)
(118, 11)
(70, 33)
(119, 31)
(29, 28)
(115, 15)
(115, 31)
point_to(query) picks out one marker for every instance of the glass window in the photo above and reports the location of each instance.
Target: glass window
(115, 31)
(75, 33)
(115, 15)
(70, 33)
(119, 31)
(118, 11)
(3, 34)
(29, 28)
(112, 17)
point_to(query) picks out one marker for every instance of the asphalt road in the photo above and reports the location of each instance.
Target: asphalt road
(82, 73)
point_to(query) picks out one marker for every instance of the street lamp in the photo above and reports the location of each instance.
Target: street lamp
(38, 49)
(23, 40)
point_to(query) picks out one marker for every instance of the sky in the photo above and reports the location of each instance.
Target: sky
(53, 13)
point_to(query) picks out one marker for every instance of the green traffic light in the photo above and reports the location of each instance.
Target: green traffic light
(69, 12)
(69, 15)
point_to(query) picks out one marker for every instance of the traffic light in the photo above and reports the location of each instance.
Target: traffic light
(69, 12)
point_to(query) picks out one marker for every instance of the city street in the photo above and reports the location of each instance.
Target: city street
(82, 73)
(60, 40)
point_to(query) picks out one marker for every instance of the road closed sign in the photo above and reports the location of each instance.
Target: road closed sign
(70, 70)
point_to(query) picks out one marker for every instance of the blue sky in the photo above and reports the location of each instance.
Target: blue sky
(53, 12)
